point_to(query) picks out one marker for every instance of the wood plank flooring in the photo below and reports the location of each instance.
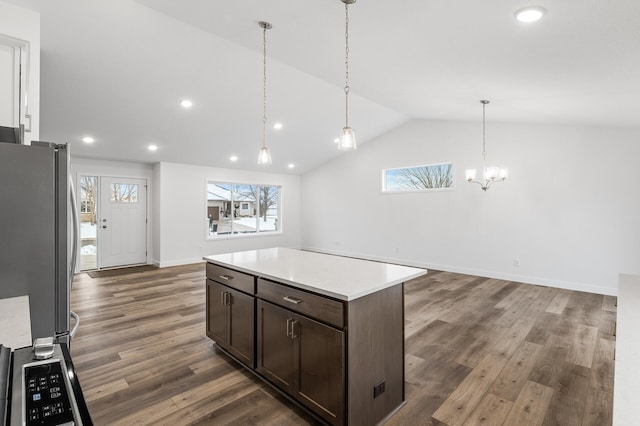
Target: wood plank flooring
(479, 351)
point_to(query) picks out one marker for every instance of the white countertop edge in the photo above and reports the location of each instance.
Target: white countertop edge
(324, 292)
(318, 290)
(627, 352)
(15, 322)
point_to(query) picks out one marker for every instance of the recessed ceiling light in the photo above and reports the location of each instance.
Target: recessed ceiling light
(291, 166)
(530, 14)
(88, 139)
(277, 126)
(152, 147)
(186, 103)
(233, 158)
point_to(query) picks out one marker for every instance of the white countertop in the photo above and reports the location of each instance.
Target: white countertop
(15, 322)
(340, 277)
(627, 368)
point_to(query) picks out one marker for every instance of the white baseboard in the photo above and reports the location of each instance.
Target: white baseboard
(568, 285)
(178, 262)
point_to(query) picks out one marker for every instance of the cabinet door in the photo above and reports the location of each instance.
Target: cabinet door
(241, 326)
(275, 346)
(217, 318)
(319, 368)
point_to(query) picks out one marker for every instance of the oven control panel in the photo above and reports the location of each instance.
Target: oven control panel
(46, 395)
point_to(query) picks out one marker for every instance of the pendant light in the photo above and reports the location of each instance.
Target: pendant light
(489, 174)
(264, 157)
(348, 136)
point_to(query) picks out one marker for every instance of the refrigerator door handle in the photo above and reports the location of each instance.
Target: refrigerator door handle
(74, 253)
(74, 330)
(74, 216)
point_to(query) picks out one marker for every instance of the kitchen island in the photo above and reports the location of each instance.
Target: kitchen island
(326, 331)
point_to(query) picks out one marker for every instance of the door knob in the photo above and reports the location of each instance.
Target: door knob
(104, 226)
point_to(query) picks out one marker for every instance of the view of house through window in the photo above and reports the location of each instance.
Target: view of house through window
(242, 209)
(88, 234)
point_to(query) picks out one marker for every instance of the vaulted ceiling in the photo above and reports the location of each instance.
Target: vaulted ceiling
(117, 70)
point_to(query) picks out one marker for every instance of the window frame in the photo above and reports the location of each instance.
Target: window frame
(248, 234)
(384, 189)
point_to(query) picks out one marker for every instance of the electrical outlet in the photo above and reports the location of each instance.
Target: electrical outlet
(378, 389)
(516, 262)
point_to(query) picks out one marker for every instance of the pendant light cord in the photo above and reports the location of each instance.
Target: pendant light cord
(264, 87)
(346, 63)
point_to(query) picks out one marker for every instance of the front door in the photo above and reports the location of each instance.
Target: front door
(122, 222)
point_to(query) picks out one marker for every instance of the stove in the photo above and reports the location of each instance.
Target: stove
(39, 387)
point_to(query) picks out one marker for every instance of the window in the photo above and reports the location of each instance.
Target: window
(234, 208)
(431, 177)
(88, 226)
(124, 193)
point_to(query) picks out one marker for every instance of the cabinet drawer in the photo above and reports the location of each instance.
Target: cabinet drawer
(229, 277)
(312, 305)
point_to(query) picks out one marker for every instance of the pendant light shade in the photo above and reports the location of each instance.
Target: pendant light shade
(348, 136)
(347, 140)
(264, 157)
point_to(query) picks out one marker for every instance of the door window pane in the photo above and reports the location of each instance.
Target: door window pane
(88, 234)
(124, 193)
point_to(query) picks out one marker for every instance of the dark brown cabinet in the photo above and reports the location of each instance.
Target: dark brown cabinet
(231, 320)
(342, 360)
(304, 358)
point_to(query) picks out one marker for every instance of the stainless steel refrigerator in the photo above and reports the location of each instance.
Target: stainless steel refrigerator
(38, 234)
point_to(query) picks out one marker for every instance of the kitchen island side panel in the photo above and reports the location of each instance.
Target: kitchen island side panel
(375, 354)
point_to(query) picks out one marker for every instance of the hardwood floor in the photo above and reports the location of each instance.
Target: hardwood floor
(478, 352)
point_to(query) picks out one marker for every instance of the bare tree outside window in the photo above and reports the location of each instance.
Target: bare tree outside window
(124, 193)
(252, 208)
(418, 178)
(267, 197)
(89, 197)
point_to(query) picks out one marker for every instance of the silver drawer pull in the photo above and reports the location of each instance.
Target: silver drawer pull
(226, 277)
(292, 300)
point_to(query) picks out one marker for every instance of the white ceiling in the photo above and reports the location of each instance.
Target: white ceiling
(117, 69)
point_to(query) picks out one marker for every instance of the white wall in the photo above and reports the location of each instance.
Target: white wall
(570, 212)
(181, 203)
(90, 167)
(25, 25)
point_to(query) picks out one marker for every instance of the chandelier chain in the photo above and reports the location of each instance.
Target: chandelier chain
(484, 143)
(346, 63)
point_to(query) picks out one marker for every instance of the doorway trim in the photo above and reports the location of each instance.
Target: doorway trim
(148, 222)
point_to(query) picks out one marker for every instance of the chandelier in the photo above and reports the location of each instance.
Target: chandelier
(489, 174)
